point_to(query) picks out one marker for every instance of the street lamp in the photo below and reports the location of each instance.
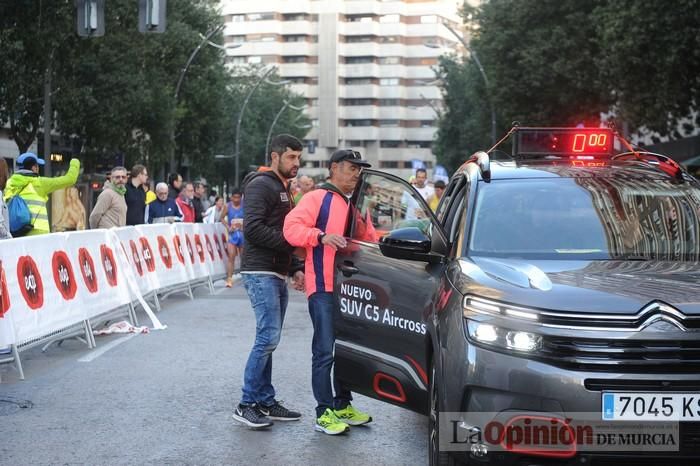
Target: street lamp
(240, 115)
(274, 122)
(473, 55)
(205, 40)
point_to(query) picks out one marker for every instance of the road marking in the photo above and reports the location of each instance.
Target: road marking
(103, 349)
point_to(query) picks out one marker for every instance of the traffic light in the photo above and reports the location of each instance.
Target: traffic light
(91, 18)
(152, 15)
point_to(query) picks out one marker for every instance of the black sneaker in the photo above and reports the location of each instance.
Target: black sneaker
(279, 412)
(252, 417)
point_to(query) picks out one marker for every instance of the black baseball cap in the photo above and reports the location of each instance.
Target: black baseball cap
(348, 155)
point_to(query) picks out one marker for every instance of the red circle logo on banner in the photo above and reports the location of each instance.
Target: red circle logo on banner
(210, 248)
(63, 275)
(219, 248)
(178, 249)
(30, 282)
(165, 252)
(4, 294)
(87, 270)
(190, 251)
(148, 254)
(108, 264)
(135, 256)
(200, 248)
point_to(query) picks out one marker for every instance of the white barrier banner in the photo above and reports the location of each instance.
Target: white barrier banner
(167, 264)
(54, 284)
(54, 281)
(140, 257)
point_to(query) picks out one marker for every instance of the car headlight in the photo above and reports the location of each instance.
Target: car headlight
(504, 338)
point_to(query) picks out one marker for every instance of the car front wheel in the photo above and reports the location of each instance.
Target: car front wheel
(437, 457)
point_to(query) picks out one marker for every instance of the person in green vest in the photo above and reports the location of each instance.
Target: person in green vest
(35, 189)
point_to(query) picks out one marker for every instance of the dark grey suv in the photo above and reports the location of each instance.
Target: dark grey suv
(548, 312)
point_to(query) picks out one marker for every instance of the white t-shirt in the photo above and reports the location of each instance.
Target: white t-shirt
(412, 206)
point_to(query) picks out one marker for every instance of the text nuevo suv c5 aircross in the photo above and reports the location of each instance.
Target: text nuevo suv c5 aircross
(548, 312)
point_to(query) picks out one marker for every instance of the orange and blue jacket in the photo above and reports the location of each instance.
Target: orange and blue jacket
(324, 210)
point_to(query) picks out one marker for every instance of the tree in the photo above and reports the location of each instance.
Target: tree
(565, 62)
(34, 37)
(257, 118)
(464, 123)
(650, 60)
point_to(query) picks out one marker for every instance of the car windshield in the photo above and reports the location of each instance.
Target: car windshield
(587, 218)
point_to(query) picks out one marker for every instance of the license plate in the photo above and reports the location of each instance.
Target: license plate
(651, 406)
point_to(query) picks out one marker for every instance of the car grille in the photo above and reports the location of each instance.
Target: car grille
(623, 355)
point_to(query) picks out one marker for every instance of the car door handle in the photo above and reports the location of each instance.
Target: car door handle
(348, 269)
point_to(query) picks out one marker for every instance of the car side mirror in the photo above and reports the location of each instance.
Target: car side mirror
(407, 243)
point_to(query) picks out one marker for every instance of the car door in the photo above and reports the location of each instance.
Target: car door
(384, 303)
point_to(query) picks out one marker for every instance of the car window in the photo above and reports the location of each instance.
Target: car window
(450, 191)
(388, 204)
(587, 218)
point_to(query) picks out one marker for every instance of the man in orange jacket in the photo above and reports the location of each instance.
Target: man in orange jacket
(317, 224)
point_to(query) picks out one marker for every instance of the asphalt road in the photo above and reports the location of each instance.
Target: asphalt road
(167, 397)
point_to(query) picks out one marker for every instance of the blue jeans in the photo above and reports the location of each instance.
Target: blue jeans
(321, 307)
(268, 295)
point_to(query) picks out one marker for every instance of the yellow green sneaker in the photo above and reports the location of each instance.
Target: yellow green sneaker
(329, 424)
(352, 416)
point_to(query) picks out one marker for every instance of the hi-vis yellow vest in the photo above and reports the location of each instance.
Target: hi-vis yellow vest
(35, 191)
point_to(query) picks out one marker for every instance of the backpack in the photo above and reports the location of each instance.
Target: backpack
(20, 218)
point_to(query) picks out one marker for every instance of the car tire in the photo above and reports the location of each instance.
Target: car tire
(436, 457)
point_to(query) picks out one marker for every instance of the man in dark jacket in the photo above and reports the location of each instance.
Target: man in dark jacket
(199, 209)
(266, 263)
(174, 185)
(135, 196)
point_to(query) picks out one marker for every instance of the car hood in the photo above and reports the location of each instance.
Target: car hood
(611, 287)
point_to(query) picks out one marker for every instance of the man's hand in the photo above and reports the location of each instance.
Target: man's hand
(298, 282)
(334, 241)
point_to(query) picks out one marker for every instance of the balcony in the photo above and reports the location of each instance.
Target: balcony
(419, 92)
(359, 112)
(360, 70)
(360, 91)
(358, 133)
(298, 69)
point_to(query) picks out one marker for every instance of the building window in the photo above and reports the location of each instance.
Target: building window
(255, 59)
(389, 82)
(428, 19)
(268, 38)
(390, 61)
(389, 102)
(357, 81)
(295, 17)
(294, 59)
(407, 164)
(236, 39)
(312, 102)
(358, 60)
(389, 19)
(354, 123)
(389, 123)
(351, 102)
(389, 144)
(314, 122)
(388, 164)
(237, 18)
(261, 16)
(419, 144)
(355, 39)
(237, 60)
(359, 18)
(296, 79)
(294, 38)
(389, 39)
(427, 123)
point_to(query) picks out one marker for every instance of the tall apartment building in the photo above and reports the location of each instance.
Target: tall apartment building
(363, 66)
